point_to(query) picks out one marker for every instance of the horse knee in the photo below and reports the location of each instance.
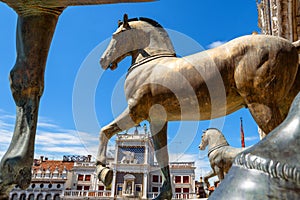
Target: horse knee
(26, 82)
(104, 134)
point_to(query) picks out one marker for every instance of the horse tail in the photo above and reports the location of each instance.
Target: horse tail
(297, 45)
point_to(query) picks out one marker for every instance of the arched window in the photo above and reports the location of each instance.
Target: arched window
(31, 197)
(56, 197)
(14, 196)
(23, 196)
(39, 197)
(48, 197)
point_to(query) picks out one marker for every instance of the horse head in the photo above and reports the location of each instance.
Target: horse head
(211, 137)
(138, 38)
(204, 141)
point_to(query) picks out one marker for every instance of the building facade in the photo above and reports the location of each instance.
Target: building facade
(280, 18)
(136, 175)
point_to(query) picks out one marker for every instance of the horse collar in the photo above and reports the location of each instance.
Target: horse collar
(148, 59)
(217, 147)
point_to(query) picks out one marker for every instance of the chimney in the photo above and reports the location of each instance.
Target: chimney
(42, 159)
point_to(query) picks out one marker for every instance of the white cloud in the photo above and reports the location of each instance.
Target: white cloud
(252, 138)
(47, 125)
(51, 139)
(64, 150)
(215, 44)
(57, 138)
(6, 131)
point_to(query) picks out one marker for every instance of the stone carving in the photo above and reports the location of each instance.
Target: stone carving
(35, 28)
(279, 18)
(270, 169)
(128, 158)
(253, 69)
(220, 154)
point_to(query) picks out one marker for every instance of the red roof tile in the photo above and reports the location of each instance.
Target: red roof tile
(52, 164)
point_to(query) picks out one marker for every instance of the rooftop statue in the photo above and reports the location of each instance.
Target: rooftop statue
(220, 154)
(35, 28)
(254, 71)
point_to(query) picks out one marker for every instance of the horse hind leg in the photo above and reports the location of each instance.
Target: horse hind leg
(264, 83)
(267, 116)
(122, 122)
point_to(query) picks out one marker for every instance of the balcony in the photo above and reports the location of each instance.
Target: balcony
(152, 195)
(82, 194)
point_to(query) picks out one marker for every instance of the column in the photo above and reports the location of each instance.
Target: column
(146, 156)
(193, 185)
(132, 188)
(145, 186)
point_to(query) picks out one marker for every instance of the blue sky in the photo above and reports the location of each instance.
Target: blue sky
(76, 105)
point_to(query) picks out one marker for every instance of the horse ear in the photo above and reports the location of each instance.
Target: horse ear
(119, 23)
(125, 21)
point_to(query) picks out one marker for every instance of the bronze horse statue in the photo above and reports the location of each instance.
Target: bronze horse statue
(255, 71)
(35, 28)
(269, 169)
(220, 154)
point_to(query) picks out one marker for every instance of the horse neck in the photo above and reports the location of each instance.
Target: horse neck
(159, 44)
(216, 140)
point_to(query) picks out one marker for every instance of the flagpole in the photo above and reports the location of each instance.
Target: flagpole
(242, 134)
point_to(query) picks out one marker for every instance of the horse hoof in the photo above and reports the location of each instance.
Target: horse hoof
(105, 175)
(11, 174)
(24, 178)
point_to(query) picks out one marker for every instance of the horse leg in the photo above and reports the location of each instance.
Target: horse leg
(159, 138)
(264, 78)
(34, 35)
(267, 116)
(122, 122)
(219, 171)
(208, 176)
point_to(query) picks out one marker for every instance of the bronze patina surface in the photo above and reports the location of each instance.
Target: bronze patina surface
(254, 71)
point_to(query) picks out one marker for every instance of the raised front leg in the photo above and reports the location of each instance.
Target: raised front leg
(34, 35)
(122, 122)
(159, 138)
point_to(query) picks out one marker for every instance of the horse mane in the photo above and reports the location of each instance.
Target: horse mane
(220, 132)
(144, 19)
(151, 21)
(213, 129)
